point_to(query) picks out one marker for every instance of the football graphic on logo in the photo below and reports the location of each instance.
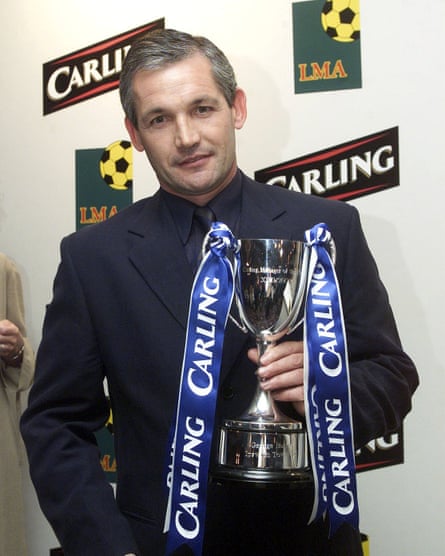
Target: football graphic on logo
(116, 165)
(340, 20)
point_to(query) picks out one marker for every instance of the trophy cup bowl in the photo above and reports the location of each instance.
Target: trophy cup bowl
(263, 445)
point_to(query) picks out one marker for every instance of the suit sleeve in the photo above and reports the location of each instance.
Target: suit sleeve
(66, 406)
(383, 377)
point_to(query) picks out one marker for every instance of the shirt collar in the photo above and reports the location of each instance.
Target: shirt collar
(226, 207)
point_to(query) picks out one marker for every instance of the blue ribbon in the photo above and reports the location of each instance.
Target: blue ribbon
(327, 390)
(210, 302)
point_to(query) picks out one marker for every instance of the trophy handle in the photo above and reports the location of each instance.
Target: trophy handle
(293, 322)
(332, 250)
(303, 285)
(242, 327)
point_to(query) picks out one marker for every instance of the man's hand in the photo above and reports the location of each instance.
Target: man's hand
(11, 341)
(281, 372)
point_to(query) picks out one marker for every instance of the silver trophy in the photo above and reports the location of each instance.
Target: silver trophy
(264, 445)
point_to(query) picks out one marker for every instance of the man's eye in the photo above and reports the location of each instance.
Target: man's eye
(158, 120)
(203, 109)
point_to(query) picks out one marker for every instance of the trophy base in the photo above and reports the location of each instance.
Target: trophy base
(263, 451)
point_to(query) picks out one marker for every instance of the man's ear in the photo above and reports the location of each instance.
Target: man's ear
(134, 135)
(239, 108)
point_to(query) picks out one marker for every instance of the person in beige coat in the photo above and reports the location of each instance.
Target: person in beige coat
(16, 374)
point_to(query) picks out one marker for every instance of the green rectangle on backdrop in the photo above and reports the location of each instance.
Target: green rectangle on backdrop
(98, 196)
(327, 55)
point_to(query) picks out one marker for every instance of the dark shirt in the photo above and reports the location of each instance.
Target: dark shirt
(226, 207)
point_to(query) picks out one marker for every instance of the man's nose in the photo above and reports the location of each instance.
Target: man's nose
(187, 134)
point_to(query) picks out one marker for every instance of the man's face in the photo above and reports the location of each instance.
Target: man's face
(187, 128)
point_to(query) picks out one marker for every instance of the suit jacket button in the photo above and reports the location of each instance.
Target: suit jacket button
(227, 392)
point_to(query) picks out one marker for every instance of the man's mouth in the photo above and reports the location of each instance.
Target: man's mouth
(192, 161)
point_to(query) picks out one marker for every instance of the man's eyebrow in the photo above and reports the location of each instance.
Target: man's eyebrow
(205, 99)
(151, 111)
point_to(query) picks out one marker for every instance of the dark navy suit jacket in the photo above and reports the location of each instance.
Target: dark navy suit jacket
(119, 311)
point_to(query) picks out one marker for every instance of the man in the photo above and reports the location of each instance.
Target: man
(16, 374)
(120, 310)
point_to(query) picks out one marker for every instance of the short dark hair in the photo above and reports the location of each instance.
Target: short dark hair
(161, 47)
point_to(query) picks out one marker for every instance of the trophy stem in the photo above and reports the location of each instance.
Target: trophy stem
(262, 406)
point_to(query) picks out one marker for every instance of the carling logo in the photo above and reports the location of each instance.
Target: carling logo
(382, 452)
(347, 171)
(89, 72)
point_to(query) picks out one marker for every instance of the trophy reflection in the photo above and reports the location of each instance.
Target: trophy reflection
(263, 444)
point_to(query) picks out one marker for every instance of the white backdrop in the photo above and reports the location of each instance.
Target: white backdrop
(402, 62)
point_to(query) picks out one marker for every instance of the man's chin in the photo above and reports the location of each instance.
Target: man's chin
(199, 185)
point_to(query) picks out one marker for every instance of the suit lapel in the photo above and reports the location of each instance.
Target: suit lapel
(261, 215)
(159, 256)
